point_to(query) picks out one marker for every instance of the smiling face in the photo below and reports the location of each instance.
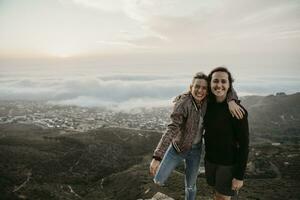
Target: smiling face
(199, 89)
(219, 85)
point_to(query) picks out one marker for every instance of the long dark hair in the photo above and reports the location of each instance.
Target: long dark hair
(219, 69)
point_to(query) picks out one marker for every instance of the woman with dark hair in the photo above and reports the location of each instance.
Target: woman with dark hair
(226, 139)
(183, 139)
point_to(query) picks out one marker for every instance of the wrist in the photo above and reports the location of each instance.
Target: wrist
(238, 179)
(156, 158)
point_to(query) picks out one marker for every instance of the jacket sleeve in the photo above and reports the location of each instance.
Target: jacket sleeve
(178, 118)
(242, 137)
(232, 95)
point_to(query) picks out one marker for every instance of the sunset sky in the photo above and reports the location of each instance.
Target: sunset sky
(68, 28)
(254, 39)
(199, 32)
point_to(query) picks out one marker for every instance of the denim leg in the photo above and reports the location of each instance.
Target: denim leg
(170, 160)
(192, 164)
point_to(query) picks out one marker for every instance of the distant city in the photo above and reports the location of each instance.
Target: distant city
(81, 119)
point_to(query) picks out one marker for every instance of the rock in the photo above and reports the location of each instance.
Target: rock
(160, 196)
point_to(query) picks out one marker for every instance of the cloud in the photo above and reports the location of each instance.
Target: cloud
(267, 84)
(89, 27)
(127, 105)
(104, 5)
(220, 25)
(144, 10)
(139, 43)
(124, 91)
(91, 90)
(140, 77)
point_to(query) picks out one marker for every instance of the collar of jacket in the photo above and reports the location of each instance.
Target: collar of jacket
(194, 102)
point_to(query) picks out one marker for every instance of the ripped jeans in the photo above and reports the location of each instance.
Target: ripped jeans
(192, 162)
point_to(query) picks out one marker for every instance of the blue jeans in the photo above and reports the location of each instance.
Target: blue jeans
(192, 162)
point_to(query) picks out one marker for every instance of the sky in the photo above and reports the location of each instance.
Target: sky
(144, 49)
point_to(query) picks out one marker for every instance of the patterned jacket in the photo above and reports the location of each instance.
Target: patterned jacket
(187, 121)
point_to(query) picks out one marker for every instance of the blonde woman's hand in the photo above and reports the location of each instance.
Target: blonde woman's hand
(154, 166)
(236, 110)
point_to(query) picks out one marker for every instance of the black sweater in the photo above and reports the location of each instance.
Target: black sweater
(226, 138)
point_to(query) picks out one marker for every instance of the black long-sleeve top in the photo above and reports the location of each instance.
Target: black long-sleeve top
(226, 138)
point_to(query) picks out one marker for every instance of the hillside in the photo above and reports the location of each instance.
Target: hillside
(112, 163)
(54, 163)
(275, 118)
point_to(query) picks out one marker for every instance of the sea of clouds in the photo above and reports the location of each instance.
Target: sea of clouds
(121, 90)
(115, 90)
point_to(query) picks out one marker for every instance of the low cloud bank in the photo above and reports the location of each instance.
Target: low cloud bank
(124, 91)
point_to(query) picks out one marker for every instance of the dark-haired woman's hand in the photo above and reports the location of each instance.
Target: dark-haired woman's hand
(237, 184)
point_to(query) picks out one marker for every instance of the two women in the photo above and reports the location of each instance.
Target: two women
(183, 139)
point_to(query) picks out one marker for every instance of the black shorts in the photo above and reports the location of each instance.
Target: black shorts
(220, 177)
